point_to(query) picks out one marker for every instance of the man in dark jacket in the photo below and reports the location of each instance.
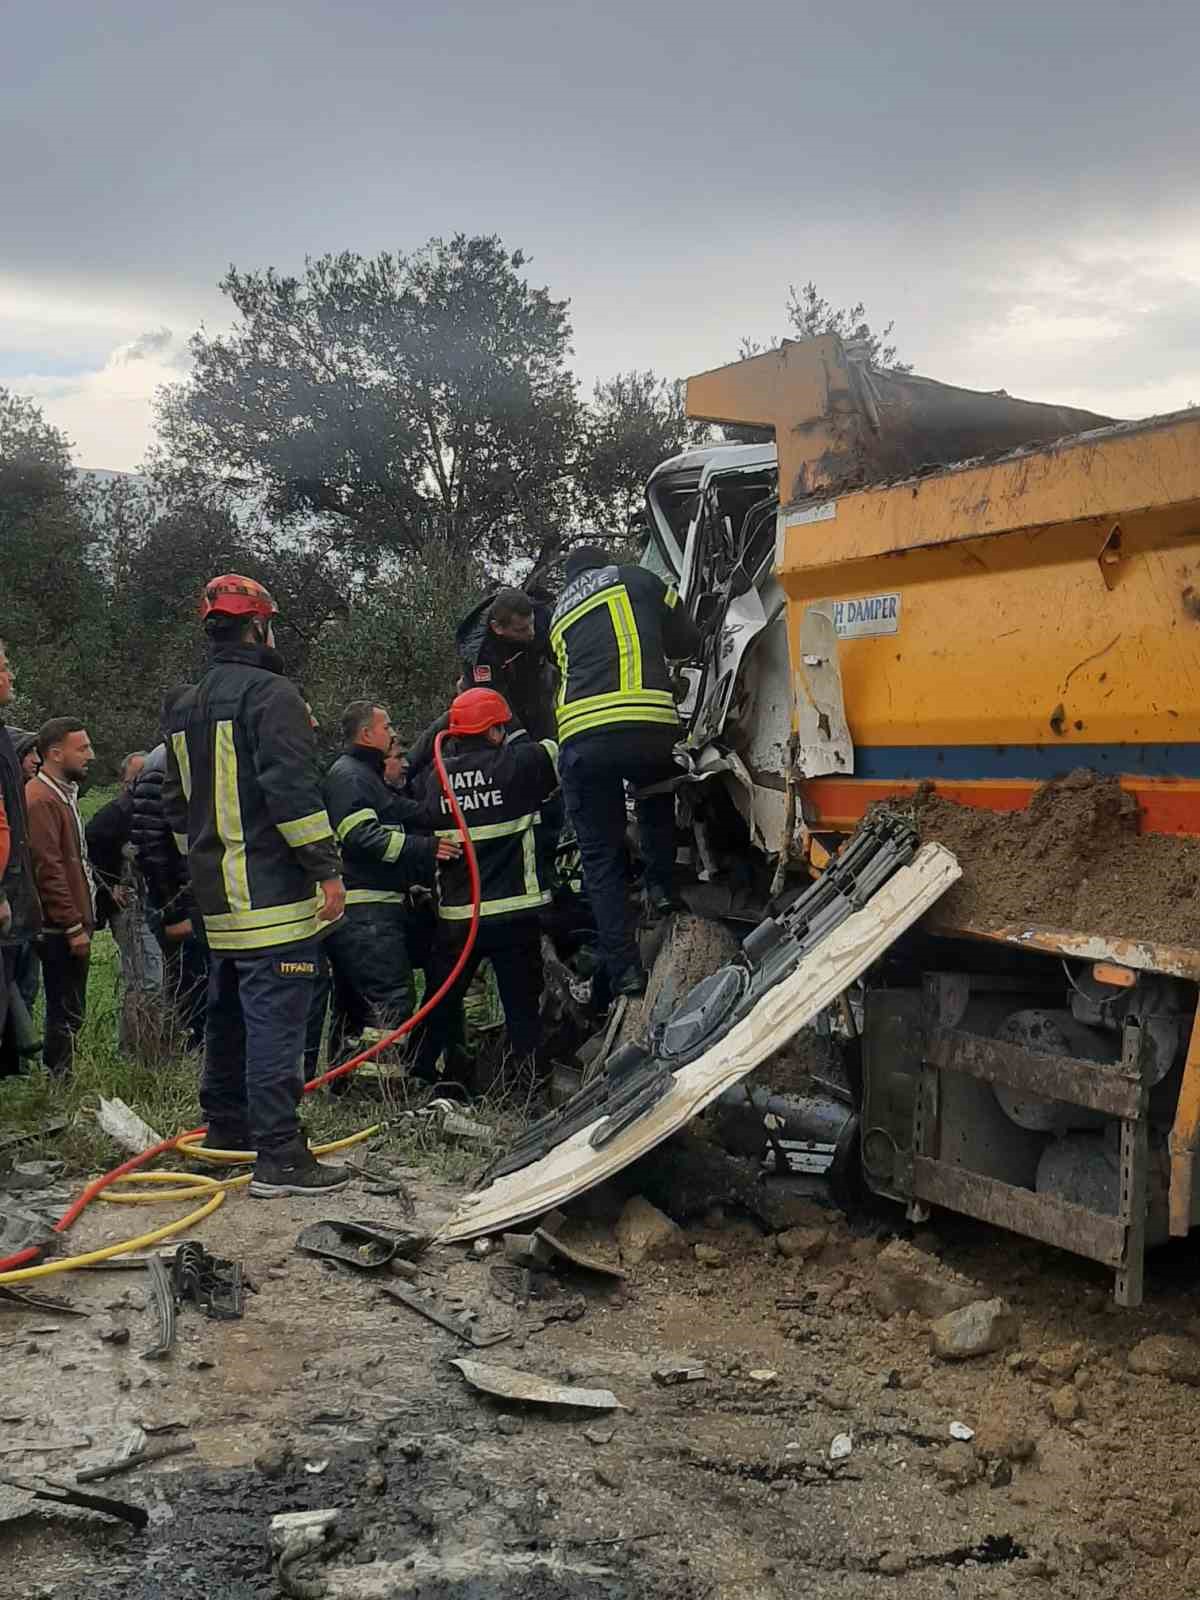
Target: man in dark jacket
(613, 630)
(501, 785)
(163, 873)
(504, 644)
(65, 884)
(243, 798)
(20, 912)
(382, 858)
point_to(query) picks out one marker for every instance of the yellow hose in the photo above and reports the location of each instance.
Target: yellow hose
(69, 1263)
(191, 1185)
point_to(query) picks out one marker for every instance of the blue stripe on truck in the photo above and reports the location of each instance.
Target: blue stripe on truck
(1031, 761)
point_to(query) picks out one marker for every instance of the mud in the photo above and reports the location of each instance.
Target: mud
(1073, 860)
(721, 1489)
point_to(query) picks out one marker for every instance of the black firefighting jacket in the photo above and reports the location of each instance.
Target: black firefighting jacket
(612, 632)
(500, 789)
(382, 857)
(243, 798)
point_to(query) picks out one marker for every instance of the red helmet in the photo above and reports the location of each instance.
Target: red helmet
(478, 710)
(231, 595)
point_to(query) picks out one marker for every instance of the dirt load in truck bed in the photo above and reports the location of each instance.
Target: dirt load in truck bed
(1072, 860)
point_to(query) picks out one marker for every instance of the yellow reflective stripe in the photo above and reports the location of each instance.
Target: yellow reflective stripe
(529, 854)
(619, 706)
(671, 599)
(493, 830)
(263, 938)
(229, 820)
(629, 649)
(391, 851)
(374, 897)
(551, 749)
(181, 843)
(348, 823)
(265, 916)
(183, 761)
(608, 719)
(306, 830)
(558, 628)
(496, 908)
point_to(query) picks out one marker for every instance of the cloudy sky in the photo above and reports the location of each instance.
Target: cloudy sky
(1014, 183)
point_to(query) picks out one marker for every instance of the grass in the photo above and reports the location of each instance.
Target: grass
(166, 1095)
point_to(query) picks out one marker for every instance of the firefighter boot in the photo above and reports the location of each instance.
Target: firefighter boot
(293, 1169)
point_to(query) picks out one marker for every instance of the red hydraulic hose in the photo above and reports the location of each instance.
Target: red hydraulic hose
(9, 1263)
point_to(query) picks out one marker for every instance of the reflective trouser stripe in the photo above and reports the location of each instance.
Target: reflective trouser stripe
(375, 897)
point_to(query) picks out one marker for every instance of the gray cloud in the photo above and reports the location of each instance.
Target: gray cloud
(984, 174)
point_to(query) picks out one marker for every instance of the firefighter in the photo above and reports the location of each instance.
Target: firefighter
(612, 632)
(242, 796)
(383, 859)
(500, 785)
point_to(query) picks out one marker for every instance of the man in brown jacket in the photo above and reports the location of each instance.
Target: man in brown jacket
(64, 881)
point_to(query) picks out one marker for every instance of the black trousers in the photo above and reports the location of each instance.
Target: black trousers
(514, 947)
(64, 978)
(372, 975)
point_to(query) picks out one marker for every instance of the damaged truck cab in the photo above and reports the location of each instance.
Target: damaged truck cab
(916, 585)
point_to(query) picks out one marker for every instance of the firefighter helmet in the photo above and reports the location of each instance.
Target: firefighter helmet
(477, 710)
(232, 595)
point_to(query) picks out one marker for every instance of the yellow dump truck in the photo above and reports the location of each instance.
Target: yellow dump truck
(909, 584)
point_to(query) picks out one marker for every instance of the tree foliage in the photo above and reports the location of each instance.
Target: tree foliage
(635, 421)
(810, 314)
(406, 399)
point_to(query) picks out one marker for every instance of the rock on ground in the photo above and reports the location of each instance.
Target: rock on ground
(906, 1279)
(645, 1234)
(801, 1244)
(975, 1330)
(1167, 1355)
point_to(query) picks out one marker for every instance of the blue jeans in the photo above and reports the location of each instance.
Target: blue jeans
(258, 1007)
(593, 769)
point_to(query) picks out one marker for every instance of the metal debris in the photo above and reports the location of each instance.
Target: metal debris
(506, 1383)
(210, 1282)
(163, 1292)
(352, 1244)
(678, 1372)
(139, 1458)
(63, 1494)
(461, 1327)
(42, 1302)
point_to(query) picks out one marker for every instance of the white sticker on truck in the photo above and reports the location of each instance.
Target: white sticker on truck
(862, 619)
(825, 512)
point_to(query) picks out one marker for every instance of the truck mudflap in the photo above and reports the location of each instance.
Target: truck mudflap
(792, 966)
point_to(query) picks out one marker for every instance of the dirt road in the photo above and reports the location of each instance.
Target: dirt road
(1081, 1478)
